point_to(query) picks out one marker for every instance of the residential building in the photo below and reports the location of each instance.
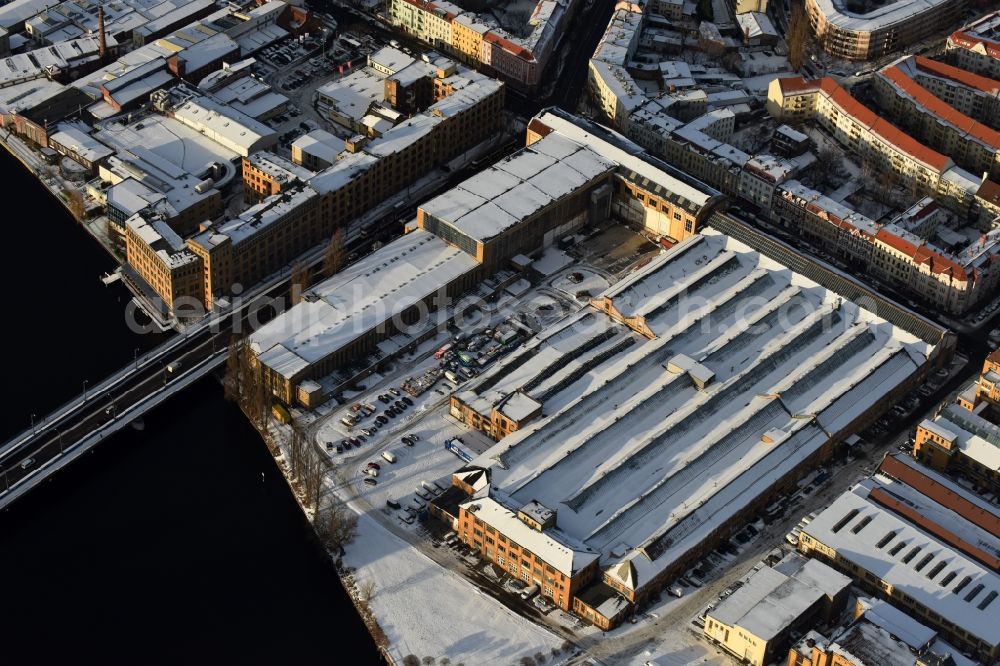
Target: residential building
(976, 47)
(971, 94)
(872, 138)
(919, 112)
(892, 253)
(845, 32)
(519, 60)
(925, 544)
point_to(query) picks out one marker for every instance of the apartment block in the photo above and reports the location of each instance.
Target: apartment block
(855, 126)
(845, 32)
(519, 60)
(919, 112)
(976, 47)
(893, 253)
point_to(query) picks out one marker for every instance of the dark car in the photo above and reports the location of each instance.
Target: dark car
(329, 446)
(354, 441)
(407, 401)
(304, 125)
(374, 465)
(382, 419)
(383, 399)
(400, 405)
(406, 440)
(346, 445)
(369, 481)
(391, 413)
(361, 438)
(340, 449)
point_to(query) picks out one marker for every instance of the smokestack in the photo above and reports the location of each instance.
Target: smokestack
(102, 48)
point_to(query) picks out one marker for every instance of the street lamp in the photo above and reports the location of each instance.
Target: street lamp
(135, 357)
(33, 424)
(84, 389)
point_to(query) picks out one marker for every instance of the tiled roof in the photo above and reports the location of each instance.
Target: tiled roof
(883, 128)
(957, 74)
(940, 108)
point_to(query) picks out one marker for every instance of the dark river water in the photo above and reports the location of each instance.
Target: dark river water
(162, 546)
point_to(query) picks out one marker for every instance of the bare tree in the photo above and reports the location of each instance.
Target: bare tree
(297, 453)
(231, 383)
(798, 37)
(74, 200)
(313, 477)
(336, 525)
(367, 590)
(299, 281)
(333, 261)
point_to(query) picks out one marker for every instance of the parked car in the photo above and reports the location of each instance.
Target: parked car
(346, 445)
(370, 471)
(391, 503)
(374, 465)
(407, 401)
(395, 392)
(382, 420)
(422, 494)
(405, 517)
(329, 447)
(389, 456)
(417, 503)
(369, 481)
(406, 440)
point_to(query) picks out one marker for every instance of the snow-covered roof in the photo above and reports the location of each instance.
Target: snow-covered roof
(862, 527)
(279, 168)
(320, 144)
(552, 545)
(366, 294)
(628, 453)
(882, 17)
(769, 601)
(975, 436)
(258, 218)
(512, 190)
(896, 622)
(519, 407)
(80, 142)
(225, 125)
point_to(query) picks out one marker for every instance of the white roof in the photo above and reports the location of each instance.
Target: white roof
(258, 218)
(770, 601)
(864, 532)
(321, 144)
(551, 545)
(517, 187)
(628, 453)
(896, 622)
(975, 436)
(368, 293)
(229, 127)
(519, 406)
(881, 17)
(630, 159)
(81, 143)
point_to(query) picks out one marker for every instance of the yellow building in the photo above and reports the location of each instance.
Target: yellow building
(755, 623)
(467, 37)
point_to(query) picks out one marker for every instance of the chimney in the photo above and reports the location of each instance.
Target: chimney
(102, 49)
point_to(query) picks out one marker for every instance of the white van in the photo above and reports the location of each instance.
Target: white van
(389, 456)
(452, 377)
(529, 591)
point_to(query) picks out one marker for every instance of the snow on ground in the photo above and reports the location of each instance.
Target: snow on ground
(430, 612)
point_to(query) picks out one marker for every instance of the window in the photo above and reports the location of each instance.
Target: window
(526, 575)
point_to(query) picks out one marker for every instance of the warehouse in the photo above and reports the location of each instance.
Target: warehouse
(682, 399)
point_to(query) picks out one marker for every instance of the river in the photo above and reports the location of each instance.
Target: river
(178, 543)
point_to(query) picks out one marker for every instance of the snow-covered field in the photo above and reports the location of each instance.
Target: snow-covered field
(428, 611)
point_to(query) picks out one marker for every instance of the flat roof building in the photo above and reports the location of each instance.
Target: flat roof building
(922, 542)
(666, 418)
